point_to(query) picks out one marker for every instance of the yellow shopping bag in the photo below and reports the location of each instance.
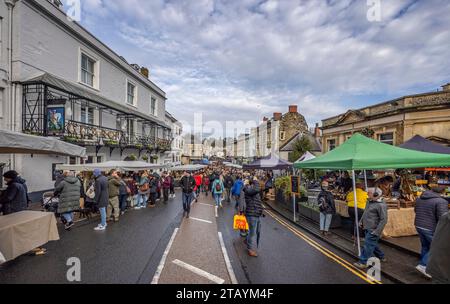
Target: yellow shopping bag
(240, 222)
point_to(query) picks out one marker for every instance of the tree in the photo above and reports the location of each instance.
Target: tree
(301, 146)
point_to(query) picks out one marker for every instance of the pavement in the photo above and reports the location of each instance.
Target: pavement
(157, 245)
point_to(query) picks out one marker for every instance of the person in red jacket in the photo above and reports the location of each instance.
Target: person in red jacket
(198, 185)
(166, 184)
(206, 183)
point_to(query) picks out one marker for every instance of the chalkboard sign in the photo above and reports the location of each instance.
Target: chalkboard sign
(295, 184)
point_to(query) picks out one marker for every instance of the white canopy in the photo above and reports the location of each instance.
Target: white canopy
(109, 165)
(232, 165)
(307, 156)
(188, 168)
(19, 143)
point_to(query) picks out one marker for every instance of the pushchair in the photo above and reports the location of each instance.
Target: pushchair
(50, 202)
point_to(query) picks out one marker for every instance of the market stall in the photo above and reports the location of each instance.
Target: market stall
(362, 153)
(23, 231)
(188, 168)
(271, 162)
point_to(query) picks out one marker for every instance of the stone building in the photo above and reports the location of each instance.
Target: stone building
(395, 121)
(273, 133)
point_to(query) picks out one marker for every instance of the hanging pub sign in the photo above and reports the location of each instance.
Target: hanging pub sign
(56, 120)
(295, 184)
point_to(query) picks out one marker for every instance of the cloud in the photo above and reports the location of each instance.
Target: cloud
(249, 58)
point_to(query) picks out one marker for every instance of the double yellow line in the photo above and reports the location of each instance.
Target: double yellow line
(347, 265)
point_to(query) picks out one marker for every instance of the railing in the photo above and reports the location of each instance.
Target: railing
(87, 134)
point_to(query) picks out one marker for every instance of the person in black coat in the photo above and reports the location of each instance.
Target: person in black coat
(430, 207)
(101, 197)
(327, 208)
(439, 262)
(14, 198)
(253, 212)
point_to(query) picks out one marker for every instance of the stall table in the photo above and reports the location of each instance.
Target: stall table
(400, 223)
(24, 231)
(341, 208)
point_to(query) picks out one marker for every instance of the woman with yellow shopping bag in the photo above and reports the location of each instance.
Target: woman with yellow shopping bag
(239, 196)
(253, 212)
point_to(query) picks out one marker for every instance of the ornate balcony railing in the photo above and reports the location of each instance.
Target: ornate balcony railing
(91, 135)
(87, 134)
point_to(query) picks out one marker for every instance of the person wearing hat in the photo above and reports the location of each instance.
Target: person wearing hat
(430, 207)
(101, 197)
(373, 221)
(14, 198)
(327, 208)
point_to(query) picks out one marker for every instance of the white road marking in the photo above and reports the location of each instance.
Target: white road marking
(206, 204)
(200, 220)
(217, 215)
(227, 260)
(199, 271)
(163, 259)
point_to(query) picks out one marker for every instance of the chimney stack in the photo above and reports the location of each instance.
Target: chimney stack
(317, 131)
(265, 119)
(277, 116)
(293, 109)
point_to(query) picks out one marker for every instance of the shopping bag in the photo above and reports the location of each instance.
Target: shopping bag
(240, 222)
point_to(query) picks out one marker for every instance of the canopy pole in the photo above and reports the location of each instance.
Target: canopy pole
(365, 180)
(358, 242)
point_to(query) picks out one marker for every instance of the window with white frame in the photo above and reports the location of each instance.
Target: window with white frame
(131, 93)
(387, 138)
(331, 143)
(153, 106)
(87, 115)
(88, 68)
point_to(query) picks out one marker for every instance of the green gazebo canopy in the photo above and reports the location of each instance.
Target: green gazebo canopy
(362, 153)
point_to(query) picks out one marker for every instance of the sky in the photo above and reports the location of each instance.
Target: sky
(246, 59)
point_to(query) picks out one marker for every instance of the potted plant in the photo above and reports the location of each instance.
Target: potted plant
(145, 157)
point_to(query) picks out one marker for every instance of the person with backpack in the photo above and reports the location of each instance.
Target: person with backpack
(218, 189)
(143, 191)
(187, 184)
(327, 208)
(68, 191)
(153, 189)
(14, 198)
(101, 197)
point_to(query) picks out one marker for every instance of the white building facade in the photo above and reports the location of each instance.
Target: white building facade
(173, 157)
(58, 80)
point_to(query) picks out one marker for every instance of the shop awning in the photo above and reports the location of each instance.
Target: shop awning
(109, 165)
(19, 143)
(362, 153)
(419, 143)
(270, 162)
